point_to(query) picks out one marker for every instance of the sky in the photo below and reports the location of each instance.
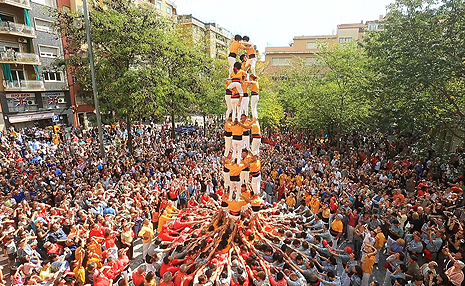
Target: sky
(275, 23)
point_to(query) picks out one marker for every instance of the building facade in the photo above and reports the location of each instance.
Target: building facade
(304, 49)
(31, 92)
(216, 39)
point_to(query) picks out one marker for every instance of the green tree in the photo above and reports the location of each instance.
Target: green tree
(331, 94)
(143, 64)
(211, 100)
(419, 57)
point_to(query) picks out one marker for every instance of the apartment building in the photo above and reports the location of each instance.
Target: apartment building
(216, 39)
(31, 92)
(304, 49)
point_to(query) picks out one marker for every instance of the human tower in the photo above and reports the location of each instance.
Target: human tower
(242, 132)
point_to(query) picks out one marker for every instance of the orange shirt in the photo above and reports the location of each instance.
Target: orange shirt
(240, 74)
(235, 46)
(237, 130)
(254, 86)
(255, 166)
(227, 126)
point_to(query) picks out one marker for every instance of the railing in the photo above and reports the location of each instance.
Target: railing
(16, 28)
(24, 3)
(14, 57)
(23, 84)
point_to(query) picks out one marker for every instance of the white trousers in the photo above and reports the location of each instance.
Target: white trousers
(231, 62)
(256, 146)
(237, 150)
(252, 63)
(238, 86)
(253, 105)
(227, 97)
(227, 182)
(227, 145)
(246, 141)
(256, 181)
(245, 106)
(235, 109)
(235, 188)
(245, 177)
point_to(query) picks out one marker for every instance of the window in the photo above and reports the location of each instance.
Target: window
(311, 61)
(312, 45)
(53, 76)
(49, 52)
(7, 17)
(44, 25)
(7, 46)
(345, 40)
(169, 10)
(158, 5)
(373, 27)
(17, 75)
(281, 62)
(50, 3)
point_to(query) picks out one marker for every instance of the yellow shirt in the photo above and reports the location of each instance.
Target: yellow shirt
(235, 46)
(227, 126)
(380, 239)
(337, 225)
(235, 206)
(146, 233)
(255, 166)
(255, 202)
(234, 169)
(326, 213)
(315, 203)
(367, 264)
(274, 174)
(299, 179)
(250, 50)
(290, 201)
(162, 221)
(255, 128)
(237, 130)
(240, 74)
(282, 179)
(245, 87)
(254, 86)
(80, 275)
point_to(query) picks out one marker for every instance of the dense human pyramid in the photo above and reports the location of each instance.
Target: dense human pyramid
(286, 209)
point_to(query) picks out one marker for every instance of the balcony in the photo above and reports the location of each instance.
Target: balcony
(26, 4)
(23, 85)
(19, 58)
(17, 29)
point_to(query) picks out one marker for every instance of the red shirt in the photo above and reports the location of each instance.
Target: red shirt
(101, 280)
(137, 279)
(178, 278)
(98, 232)
(205, 198)
(167, 267)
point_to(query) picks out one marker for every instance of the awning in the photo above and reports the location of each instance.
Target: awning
(29, 117)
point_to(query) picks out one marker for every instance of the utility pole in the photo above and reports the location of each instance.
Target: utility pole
(94, 81)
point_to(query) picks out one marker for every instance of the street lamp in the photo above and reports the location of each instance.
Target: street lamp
(94, 81)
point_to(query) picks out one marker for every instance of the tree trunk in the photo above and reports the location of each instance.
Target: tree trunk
(173, 125)
(129, 127)
(204, 125)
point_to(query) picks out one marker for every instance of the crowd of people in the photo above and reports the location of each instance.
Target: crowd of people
(287, 209)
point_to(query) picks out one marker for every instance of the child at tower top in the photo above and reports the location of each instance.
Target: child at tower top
(251, 54)
(235, 46)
